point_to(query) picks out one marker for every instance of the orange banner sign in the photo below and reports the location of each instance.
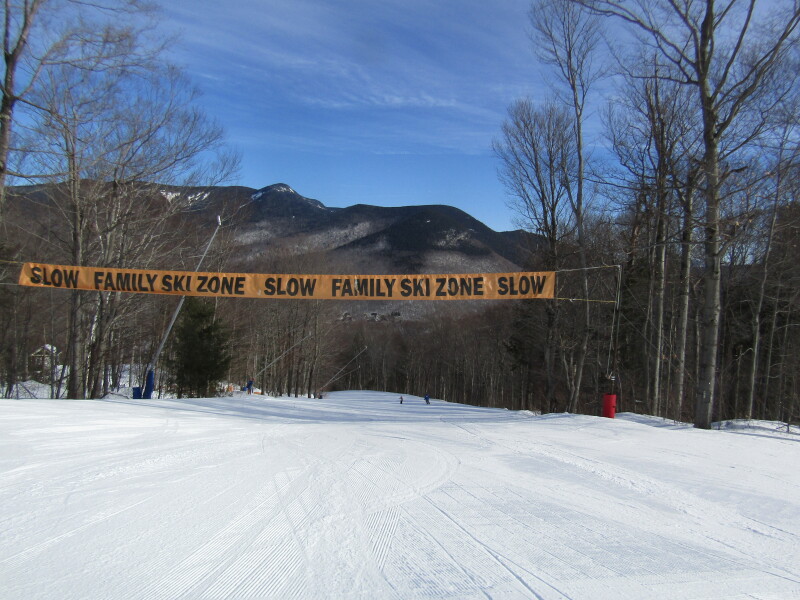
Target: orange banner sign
(480, 286)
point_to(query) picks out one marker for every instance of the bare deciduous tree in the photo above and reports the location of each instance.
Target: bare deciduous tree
(727, 52)
(569, 39)
(111, 139)
(538, 158)
(41, 34)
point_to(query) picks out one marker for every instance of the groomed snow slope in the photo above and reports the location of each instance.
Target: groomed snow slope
(356, 496)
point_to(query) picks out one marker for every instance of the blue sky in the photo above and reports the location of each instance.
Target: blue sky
(390, 102)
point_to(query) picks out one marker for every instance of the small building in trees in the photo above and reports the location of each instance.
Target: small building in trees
(43, 363)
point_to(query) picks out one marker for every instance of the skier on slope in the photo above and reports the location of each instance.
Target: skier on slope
(427, 399)
(401, 399)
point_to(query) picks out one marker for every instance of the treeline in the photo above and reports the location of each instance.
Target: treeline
(659, 173)
(695, 106)
(90, 110)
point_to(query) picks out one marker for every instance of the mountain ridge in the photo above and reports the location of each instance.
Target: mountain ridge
(412, 237)
(276, 223)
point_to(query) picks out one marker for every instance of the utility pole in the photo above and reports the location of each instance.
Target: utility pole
(150, 377)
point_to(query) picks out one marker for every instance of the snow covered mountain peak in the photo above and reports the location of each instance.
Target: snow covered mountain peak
(284, 195)
(281, 187)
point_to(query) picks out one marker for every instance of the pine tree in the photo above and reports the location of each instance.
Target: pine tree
(201, 355)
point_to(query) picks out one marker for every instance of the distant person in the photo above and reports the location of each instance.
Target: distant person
(427, 399)
(401, 399)
(249, 386)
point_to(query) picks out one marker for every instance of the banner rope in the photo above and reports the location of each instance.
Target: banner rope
(346, 288)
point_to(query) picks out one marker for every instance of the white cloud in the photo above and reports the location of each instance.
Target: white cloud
(346, 55)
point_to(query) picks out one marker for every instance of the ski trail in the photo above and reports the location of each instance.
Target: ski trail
(24, 555)
(381, 527)
(211, 556)
(634, 566)
(359, 497)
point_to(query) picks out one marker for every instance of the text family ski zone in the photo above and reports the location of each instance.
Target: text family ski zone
(475, 286)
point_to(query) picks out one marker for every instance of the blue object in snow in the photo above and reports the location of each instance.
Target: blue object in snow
(149, 384)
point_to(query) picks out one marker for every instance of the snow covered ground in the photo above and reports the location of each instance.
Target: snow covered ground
(357, 496)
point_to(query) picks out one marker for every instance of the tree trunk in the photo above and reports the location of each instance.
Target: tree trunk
(659, 275)
(685, 289)
(770, 347)
(762, 286)
(709, 339)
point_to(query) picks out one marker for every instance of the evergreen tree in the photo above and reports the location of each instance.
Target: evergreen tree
(200, 356)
